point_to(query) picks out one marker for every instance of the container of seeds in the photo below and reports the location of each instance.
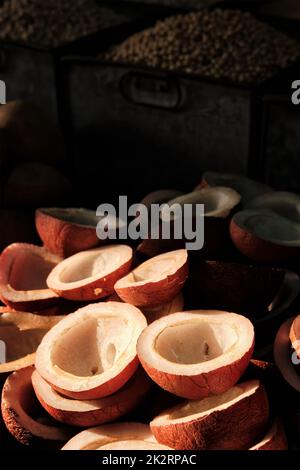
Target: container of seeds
(34, 34)
(183, 96)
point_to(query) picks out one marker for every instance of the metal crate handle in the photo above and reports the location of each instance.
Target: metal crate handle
(148, 89)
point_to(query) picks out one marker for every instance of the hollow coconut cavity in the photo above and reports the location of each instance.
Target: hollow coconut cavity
(218, 422)
(248, 189)
(269, 226)
(218, 202)
(89, 413)
(93, 438)
(155, 282)
(91, 274)
(22, 414)
(20, 335)
(92, 352)
(285, 204)
(187, 353)
(24, 269)
(67, 231)
(283, 356)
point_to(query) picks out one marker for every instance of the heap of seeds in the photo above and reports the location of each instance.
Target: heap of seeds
(53, 22)
(220, 44)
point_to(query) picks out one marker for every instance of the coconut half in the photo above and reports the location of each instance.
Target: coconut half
(93, 438)
(283, 203)
(263, 235)
(155, 282)
(198, 353)
(246, 187)
(20, 335)
(67, 231)
(275, 439)
(283, 355)
(92, 353)
(94, 412)
(230, 421)
(21, 413)
(24, 269)
(91, 274)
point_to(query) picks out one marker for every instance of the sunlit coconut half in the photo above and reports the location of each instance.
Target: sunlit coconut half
(92, 353)
(91, 274)
(67, 231)
(93, 438)
(155, 282)
(295, 335)
(24, 269)
(284, 358)
(234, 287)
(20, 335)
(196, 354)
(229, 421)
(24, 418)
(275, 439)
(89, 413)
(263, 235)
(282, 203)
(246, 187)
(218, 202)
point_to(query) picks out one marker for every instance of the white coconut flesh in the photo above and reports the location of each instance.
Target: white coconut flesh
(269, 226)
(218, 202)
(133, 444)
(25, 269)
(93, 438)
(90, 346)
(248, 188)
(283, 355)
(190, 343)
(74, 216)
(18, 394)
(196, 409)
(282, 203)
(155, 269)
(22, 333)
(89, 266)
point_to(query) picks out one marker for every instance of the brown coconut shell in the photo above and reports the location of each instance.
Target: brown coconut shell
(230, 421)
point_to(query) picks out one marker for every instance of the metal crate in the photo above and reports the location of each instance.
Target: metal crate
(32, 72)
(147, 129)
